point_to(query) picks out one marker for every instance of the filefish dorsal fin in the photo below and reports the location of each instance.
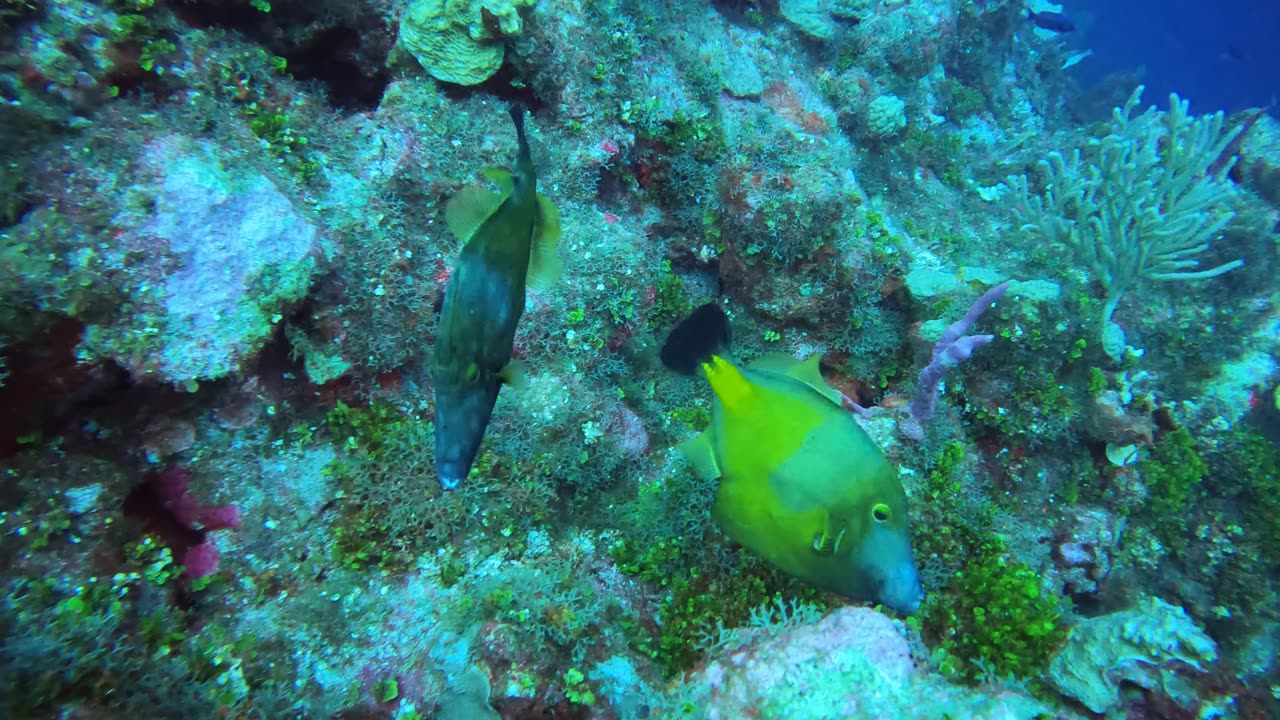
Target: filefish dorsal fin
(469, 208)
(806, 371)
(544, 264)
(501, 177)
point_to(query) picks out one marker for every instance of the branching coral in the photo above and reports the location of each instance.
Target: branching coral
(1141, 203)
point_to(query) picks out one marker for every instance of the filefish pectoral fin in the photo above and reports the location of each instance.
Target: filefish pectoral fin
(501, 177)
(515, 375)
(469, 208)
(701, 455)
(544, 264)
(827, 542)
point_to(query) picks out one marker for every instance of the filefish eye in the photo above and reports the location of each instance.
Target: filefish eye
(881, 512)
(473, 373)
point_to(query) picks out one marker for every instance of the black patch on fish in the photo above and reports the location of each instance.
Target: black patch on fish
(1055, 22)
(704, 333)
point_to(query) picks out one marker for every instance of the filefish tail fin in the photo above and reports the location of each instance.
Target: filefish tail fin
(704, 333)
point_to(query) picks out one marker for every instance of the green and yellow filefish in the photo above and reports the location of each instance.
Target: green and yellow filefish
(801, 484)
(509, 238)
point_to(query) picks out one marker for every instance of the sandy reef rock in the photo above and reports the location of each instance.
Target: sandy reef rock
(1258, 165)
(461, 41)
(737, 63)
(216, 256)
(853, 663)
(811, 16)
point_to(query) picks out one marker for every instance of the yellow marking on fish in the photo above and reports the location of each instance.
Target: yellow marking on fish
(727, 382)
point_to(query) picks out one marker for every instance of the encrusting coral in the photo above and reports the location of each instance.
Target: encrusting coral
(461, 41)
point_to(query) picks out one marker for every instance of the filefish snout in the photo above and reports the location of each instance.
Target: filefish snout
(902, 590)
(461, 419)
(451, 474)
(885, 559)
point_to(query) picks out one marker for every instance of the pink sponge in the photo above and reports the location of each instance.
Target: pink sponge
(200, 561)
(163, 503)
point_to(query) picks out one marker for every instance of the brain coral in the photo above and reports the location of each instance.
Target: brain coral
(885, 115)
(461, 41)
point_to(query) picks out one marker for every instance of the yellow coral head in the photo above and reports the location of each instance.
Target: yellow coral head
(452, 40)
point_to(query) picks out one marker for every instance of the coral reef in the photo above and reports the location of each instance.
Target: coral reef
(226, 255)
(224, 247)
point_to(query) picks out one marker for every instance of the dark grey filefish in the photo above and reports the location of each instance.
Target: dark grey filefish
(509, 238)
(1052, 21)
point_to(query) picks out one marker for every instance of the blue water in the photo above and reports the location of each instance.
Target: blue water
(1221, 55)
